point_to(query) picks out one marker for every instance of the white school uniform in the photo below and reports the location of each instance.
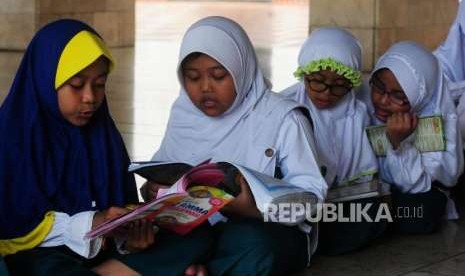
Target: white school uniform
(258, 123)
(342, 144)
(451, 56)
(422, 80)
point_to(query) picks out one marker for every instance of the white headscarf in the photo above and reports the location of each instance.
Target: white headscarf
(249, 127)
(339, 131)
(451, 53)
(421, 78)
(451, 56)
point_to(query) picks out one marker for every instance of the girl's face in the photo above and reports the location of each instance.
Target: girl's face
(208, 84)
(325, 88)
(81, 96)
(387, 95)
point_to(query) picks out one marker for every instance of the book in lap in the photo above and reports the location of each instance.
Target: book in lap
(429, 136)
(358, 190)
(199, 192)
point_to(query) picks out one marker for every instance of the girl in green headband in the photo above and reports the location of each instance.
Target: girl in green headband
(329, 70)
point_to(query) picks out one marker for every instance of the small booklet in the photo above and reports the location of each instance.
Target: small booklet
(354, 191)
(199, 192)
(429, 136)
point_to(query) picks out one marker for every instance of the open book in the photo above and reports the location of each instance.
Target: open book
(199, 192)
(429, 136)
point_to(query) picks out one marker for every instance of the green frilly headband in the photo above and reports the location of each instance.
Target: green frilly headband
(354, 76)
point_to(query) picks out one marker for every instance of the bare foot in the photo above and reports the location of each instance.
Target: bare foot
(196, 270)
(114, 267)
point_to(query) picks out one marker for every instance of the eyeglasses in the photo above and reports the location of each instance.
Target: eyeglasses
(334, 89)
(395, 96)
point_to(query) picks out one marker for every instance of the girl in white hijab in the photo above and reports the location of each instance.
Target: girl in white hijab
(451, 56)
(408, 83)
(226, 112)
(329, 70)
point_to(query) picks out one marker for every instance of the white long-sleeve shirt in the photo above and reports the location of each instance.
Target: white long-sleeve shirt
(70, 230)
(297, 157)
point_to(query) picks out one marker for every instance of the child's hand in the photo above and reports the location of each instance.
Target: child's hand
(140, 235)
(243, 204)
(400, 126)
(110, 213)
(150, 189)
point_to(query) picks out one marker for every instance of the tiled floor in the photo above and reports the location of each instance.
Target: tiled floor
(438, 254)
(144, 85)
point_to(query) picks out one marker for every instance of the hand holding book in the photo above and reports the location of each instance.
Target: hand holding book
(138, 234)
(202, 191)
(244, 203)
(197, 195)
(400, 126)
(149, 190)
(429, 136)
(108, 214)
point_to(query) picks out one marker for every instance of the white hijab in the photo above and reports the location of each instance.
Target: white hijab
(421, 78)
(249, 127)
(339, 131)
(451, 53)
(451, 56)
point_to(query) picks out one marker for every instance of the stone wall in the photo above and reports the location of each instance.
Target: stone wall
(20, 19)
(380, 23)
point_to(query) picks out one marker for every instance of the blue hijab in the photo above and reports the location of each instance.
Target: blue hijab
(46, 163)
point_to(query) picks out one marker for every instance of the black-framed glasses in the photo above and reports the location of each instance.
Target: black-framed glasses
(334, 89)
(396, 96)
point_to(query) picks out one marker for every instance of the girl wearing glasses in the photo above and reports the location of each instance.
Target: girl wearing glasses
(407, 83)
(329, 69)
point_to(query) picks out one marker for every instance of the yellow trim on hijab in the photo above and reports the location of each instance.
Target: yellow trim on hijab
(81, 51)
(31, 239)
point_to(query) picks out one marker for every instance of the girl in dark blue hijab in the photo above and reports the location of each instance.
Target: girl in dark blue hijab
(63, 167)
(63, 163)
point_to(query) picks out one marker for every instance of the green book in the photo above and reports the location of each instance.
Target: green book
(430, 136)
(354, 191)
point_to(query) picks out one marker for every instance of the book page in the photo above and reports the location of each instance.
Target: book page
(354, 191)
(165, 173)
(429, 136)
(209, 174)
(269, 190)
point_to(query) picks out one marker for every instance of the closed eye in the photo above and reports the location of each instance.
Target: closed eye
(398, 95)
(219, 76)
(191, 75)
(101, 81)
(192, 78)
(76, 82)
(218, 73)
